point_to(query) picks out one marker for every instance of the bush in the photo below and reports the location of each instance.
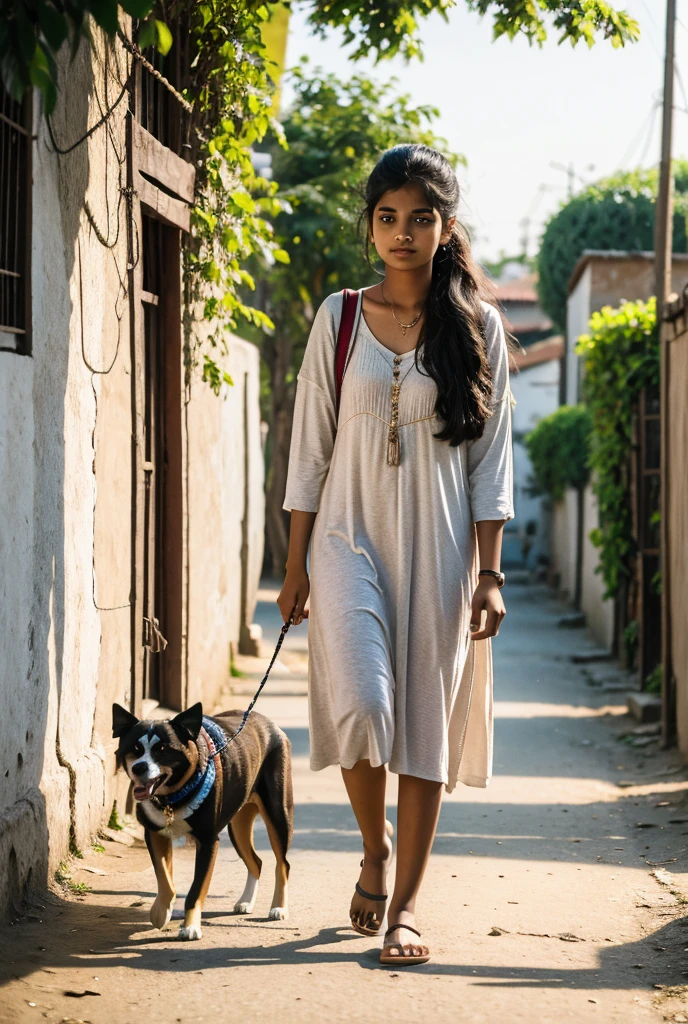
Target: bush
(620, 357)
(558, 448)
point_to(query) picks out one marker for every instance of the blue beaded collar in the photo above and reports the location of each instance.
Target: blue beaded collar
(201, 782)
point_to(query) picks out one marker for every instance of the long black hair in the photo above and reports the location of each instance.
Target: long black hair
(452, 337)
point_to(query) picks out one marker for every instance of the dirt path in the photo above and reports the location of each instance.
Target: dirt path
(539, 904)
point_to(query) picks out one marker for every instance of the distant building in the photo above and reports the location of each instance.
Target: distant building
(526, 319)
(535, 386)
(535, 383)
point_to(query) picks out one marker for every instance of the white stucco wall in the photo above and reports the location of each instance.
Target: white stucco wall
(216, 489)
(599, 612)
(66, 527)
(563, 549)
(578, 312)
(536, 390)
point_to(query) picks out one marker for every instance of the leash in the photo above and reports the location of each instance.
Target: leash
(249, 709)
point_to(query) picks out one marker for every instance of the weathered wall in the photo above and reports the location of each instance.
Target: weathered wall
(536, 390)
(599, 613)
(678, 521)
(564, 518)
(54, 647)
(23, 847)
(225, 483)
(578, 309)
(67, 640)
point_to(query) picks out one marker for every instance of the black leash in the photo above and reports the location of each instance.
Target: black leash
(249, 709)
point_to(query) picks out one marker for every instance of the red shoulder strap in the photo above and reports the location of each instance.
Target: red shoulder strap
(346, 326)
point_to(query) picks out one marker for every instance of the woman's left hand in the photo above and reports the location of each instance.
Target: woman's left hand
(487, 597)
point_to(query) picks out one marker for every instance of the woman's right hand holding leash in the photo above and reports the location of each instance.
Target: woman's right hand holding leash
(297, 587)
(294, 594)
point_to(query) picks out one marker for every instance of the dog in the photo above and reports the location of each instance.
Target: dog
(190, 778)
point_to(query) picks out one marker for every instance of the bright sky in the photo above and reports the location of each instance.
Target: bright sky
(512, 110)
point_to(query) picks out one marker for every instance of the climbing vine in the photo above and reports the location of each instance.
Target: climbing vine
(620, 357)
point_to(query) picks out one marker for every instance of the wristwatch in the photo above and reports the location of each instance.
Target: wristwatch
(499, 576)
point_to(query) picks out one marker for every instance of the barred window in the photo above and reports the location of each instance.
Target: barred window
(15, 223)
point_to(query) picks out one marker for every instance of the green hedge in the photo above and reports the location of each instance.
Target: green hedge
(558, 448)
(614, 213)
(620, 357)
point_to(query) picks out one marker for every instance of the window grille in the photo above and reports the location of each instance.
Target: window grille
(15, 222)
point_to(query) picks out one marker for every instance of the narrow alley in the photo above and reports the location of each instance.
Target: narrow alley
(579, 841)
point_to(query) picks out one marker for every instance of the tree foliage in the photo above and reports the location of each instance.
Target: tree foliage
(558, 448)
(620, 357)
(334, 131)
(33, 31)
(615, 213)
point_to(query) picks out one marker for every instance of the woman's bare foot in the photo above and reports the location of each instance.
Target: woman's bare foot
(365, 913)
(403, 943)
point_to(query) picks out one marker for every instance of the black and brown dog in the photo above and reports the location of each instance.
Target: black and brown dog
(191, 778)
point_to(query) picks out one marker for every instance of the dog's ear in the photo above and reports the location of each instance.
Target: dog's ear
(122, 721)
(189, 721)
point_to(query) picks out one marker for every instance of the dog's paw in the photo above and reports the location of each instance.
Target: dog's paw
(161, 912)
(190, 933)
(243, 908)
(278, 914)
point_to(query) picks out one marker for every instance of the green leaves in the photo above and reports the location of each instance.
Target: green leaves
(620, 358)
(614, 213)
(559, 450)
(387, 28)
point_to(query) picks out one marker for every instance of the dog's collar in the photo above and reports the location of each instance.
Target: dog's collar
(201, 782)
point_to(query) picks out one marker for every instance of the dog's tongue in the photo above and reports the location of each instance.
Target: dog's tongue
(144, 792)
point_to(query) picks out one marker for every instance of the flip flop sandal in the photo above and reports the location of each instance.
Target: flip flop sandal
(374, 898)
(404, 958)
(361, 929)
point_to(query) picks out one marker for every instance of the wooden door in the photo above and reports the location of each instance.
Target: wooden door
(162, 455)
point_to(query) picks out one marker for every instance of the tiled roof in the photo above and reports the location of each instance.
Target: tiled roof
(521, 289)
(540, 352)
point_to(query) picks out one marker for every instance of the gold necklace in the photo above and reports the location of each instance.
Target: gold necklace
(393, 445)
(404, 327)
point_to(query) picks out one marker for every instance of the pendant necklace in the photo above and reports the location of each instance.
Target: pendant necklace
(404, 327)
(393, 444)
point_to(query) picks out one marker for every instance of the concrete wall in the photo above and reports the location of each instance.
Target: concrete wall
(226, 517)
(678, 521)
(536, 390)
(563, 551)
(578, 310)
(66, 533)
(599, 612)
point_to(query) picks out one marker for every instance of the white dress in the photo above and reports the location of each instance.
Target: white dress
(394, 676)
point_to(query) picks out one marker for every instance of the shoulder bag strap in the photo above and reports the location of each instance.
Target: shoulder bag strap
(346, 326)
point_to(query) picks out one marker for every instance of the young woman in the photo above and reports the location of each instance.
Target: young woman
(402, 495)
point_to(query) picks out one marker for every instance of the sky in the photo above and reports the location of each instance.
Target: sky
(513, 110)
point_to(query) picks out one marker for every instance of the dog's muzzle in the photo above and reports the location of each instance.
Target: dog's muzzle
(144, 788)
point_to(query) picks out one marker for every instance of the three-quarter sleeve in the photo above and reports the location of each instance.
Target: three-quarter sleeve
(490, 457)
(315, 422)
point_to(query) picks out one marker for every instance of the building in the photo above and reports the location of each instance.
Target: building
(131, 511)
(535, 386)
(605, 278)
(533, 368)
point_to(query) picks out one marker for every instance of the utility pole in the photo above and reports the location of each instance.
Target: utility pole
(663, 267)
(570, 170)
